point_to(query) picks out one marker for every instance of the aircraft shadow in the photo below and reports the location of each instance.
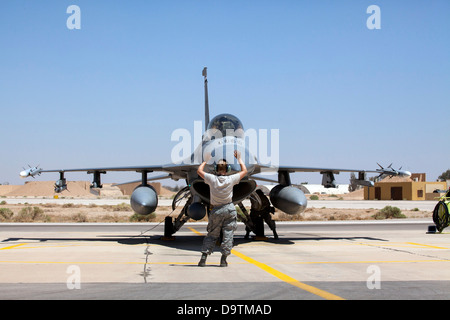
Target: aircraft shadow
(129, 240)
(188, 243)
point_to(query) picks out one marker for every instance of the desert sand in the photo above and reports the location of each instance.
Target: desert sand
(123, 213)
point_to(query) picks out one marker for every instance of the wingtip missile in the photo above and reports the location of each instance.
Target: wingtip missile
(389, 171)
(404, 173)
(30, 172)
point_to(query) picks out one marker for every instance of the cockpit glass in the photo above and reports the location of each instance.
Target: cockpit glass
(227, 124)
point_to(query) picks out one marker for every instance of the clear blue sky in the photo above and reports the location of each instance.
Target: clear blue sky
(112, 93)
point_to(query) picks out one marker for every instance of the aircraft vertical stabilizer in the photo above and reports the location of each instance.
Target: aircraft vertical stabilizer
(206, 98)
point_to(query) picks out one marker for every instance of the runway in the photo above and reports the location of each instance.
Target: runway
(336, 204)
(353, 260)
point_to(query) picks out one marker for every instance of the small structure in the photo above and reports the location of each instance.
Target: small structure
(414, 188)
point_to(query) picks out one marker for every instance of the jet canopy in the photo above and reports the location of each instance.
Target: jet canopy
(227, 124)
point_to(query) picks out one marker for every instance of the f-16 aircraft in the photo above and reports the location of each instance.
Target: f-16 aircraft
(223, 134)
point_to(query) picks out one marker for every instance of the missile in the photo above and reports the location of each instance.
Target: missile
(31, 172)
(404, 173)
(392, 172)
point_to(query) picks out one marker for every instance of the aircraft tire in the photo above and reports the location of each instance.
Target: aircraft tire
(168, 227)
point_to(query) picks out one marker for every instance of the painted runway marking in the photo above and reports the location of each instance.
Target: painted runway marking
(288, 279)
(14, 246)
(369, 262)
(425, 245)
(190, 262)
(282, 276)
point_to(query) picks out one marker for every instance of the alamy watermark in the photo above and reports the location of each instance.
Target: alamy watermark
(74, 279)
(74, 20)
(263, 145)
(374, 20)
(374, 280)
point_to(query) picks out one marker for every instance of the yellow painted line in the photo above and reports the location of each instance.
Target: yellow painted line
(69, 262)
(425, 245)
(282, 276)
(195, 231)
(12, 247)
(369, 262)
(70, 245)
(190, 262)
(99, 262)
(288, 279)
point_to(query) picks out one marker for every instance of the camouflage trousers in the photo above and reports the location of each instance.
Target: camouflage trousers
(223, 219)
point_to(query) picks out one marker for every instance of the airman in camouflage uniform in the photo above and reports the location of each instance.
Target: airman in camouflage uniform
(223, 214)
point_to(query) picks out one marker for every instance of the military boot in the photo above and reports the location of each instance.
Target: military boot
(223, 261)
(202, 261)
(275, 234)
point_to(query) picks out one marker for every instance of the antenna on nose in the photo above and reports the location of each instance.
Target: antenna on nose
(204, 73)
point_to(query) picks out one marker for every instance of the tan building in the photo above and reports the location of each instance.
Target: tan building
(414, 188)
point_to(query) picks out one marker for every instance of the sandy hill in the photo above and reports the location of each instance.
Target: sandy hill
(46, 189)
(79, 189)
(5, 189)
(355, 195)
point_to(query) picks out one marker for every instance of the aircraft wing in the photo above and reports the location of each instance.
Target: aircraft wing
(133, 168)
(387, 171)
(170, 168)
(172, 171)
(328, 180)
(310, 169)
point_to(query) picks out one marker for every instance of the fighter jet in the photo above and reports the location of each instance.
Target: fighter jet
(223, 134)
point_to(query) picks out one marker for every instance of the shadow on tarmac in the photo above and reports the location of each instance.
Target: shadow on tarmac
(188, 243)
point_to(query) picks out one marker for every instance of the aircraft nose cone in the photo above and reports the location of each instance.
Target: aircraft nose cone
(23, 174)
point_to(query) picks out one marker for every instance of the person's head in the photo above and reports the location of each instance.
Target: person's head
(221, 168)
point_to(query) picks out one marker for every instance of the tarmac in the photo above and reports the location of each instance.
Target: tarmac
(340, 260)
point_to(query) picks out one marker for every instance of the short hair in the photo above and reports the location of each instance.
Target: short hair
(222, 166)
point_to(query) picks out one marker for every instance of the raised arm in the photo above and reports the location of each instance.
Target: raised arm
(201, 168)
(243, 171)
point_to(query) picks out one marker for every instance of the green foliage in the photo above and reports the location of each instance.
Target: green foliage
(79, 217)
(29, 214)
(389, 212)
(445, 175)
(122, 207)
(5, 214)
(141, 218)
